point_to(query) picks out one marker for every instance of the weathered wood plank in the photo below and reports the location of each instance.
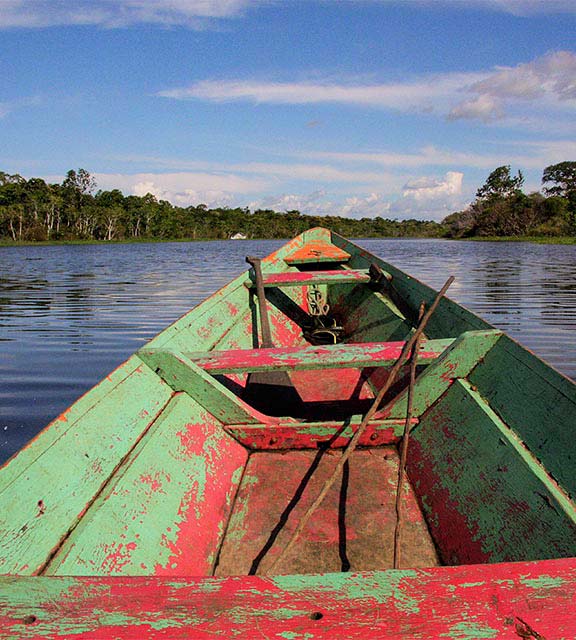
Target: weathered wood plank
(457, 361)
(312, 435)
(165, 511)
(537, 402)
(45, 501)
(506, 601)
(183, 375)
(485, 497)
(301, 278)
(314, 252)
(353, 531)
(379, 354)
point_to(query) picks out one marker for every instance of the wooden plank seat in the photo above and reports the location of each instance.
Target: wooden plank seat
(303, 278)
(319, 251)
(334, 356)
(447, 359)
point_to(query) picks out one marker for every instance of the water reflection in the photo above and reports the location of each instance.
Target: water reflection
(526, 289)
(68, 315)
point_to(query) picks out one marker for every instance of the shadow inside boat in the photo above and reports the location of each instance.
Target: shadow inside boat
(285, 400)
(283, 519)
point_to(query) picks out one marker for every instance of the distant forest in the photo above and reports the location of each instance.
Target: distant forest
(33, 210)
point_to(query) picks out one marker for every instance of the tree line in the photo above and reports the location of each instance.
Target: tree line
(34, 210)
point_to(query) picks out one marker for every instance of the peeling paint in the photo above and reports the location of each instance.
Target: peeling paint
(469, 631)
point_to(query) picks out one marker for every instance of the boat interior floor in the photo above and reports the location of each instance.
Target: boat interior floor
(352, 530)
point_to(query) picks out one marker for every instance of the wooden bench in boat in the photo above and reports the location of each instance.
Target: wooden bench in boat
(303, 278)
(369, 354)
(316, 252)
(446, 359)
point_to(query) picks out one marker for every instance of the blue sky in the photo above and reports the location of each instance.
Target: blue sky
(348, 107)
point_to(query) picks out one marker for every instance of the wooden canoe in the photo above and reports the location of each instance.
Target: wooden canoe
(156, 505)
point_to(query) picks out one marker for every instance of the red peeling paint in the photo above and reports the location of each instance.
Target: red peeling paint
(493, 601)
(232, 309)
(155, 482)
(297, 277)
(448, 374)
(118, 556)
(286, 356)
(194, 536)
(300, 436)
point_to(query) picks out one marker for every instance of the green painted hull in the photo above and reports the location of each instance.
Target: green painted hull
(167, 469)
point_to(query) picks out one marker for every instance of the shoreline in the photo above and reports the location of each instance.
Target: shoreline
(565, 240)
(531, 239)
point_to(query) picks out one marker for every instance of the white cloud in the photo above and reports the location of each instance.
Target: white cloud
(424, 198)
(198, 13)
(271, 172)
(545, 83)
(308, 172)
(430, 198)
(372, 205)
(185, 188)
(322, 203)
(426, 189)
(117, 13)
(314, 203)
(421, 95)
(528, 155)
(549, 80)
(483, 107)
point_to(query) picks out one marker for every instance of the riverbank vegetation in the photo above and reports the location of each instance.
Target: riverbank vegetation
(502, 209)
(32, 210)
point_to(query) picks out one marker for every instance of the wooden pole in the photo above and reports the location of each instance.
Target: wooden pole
(272, 391)
(404, 452)
(261, 296)
(351, 446)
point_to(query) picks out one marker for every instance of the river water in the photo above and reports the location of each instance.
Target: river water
(71, 314)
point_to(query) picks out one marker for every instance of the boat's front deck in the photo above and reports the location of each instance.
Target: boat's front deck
(352, 530)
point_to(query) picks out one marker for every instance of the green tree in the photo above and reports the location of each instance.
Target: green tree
(563, 175)
(78, 187)
(13, 204)
(500, 184)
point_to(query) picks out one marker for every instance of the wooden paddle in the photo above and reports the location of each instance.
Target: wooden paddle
(271, 392)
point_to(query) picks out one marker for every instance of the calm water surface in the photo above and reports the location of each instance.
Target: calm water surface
(70, 314)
